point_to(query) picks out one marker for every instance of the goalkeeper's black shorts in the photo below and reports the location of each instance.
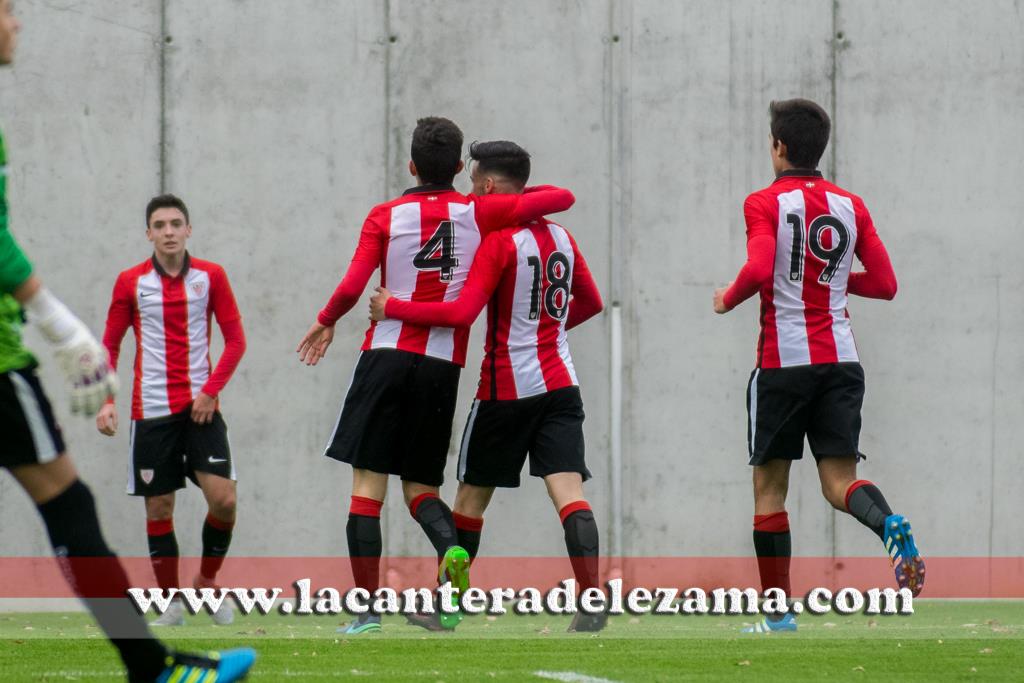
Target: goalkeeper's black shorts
(30, 432)
(397, 416)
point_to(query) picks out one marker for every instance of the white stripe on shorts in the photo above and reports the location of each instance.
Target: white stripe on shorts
(42, 439)
(461, 471)
(753, 413)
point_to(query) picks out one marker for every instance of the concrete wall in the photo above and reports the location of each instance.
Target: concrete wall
(283, 123)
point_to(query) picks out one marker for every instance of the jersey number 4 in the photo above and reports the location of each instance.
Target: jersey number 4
(556, 295)
(831, 255)
(439, 252)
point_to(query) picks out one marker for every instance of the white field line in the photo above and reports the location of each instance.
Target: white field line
(571, 677)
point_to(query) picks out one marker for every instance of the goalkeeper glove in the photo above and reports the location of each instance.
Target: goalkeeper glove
(84, 361)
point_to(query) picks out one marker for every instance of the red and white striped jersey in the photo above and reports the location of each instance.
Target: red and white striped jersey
(526, 351)
(171, 320)
(429, 242)
(816, 228)
(424, 243)
(526, 276)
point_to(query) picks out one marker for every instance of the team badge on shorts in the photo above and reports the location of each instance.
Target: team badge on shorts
(146, 476)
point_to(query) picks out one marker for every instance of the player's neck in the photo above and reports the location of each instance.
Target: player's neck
(172, 264)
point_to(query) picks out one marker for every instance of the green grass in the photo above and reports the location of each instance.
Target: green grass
(982, 640)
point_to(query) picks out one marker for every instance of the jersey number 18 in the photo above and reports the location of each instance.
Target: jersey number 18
(556, 295)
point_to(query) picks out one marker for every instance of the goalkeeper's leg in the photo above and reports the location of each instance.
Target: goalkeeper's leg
(69, 512)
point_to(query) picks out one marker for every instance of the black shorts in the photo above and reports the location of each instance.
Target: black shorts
(397, 416)
(820, 401)
(500, 434)
(30, 432)
(165, 450)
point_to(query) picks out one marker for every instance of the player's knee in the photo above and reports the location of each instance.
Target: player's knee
(159, 508)
(770, 491)
(224, 505)
(471, 501)
(835, 494)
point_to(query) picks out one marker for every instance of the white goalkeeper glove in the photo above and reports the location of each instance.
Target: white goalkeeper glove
(84, 361)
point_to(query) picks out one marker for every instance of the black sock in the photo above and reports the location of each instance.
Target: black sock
(365, 544)
(774, 549)
(163, 552)
(99, 579)
(865, 502)
(216, 540)
(468, 530)
(436, 520)
(581, 542)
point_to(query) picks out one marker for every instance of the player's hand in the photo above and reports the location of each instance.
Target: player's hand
(719, 299)
(106, 420)
(314, 345)
(88, 371)
(377, 303)
(203, 408)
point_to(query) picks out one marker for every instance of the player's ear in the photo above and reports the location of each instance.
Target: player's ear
(780, 147)
(458, 169)
(489, 185)
(412, 167)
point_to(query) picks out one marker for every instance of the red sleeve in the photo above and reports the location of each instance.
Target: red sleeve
(497, 211)
(484, 276)
(367, 258)
(757, 271)
(119, 318)
(877, 280)
(225, 309)
(586, 298)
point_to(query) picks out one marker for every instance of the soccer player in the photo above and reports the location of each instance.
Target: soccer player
(177, 429)
(802, 235)
(397, 416)
(528, 400)
(35, 454)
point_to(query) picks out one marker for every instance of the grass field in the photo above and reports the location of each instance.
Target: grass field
(949, 640)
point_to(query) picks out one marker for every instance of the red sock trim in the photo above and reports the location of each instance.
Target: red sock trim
(575, 506)
(418, 500)
(365, 507)
(218, 523)
(159, 527)
(853, 487)
(467, 523)
(777, 522)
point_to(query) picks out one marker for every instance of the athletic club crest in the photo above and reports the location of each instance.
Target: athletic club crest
(146, 476)
(198, 288)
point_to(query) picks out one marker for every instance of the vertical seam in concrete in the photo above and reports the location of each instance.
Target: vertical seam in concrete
(619, 132)
(832, 171)
(390, 539)
(388, 164)
(992, 450)
(163, 96)
(833, 98)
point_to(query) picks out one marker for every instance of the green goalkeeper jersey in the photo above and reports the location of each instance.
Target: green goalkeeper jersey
(14, 270)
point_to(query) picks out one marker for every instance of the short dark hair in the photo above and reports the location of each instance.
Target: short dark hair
(804, 126)
(503, 157)
(165, 201)
(436, 150)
